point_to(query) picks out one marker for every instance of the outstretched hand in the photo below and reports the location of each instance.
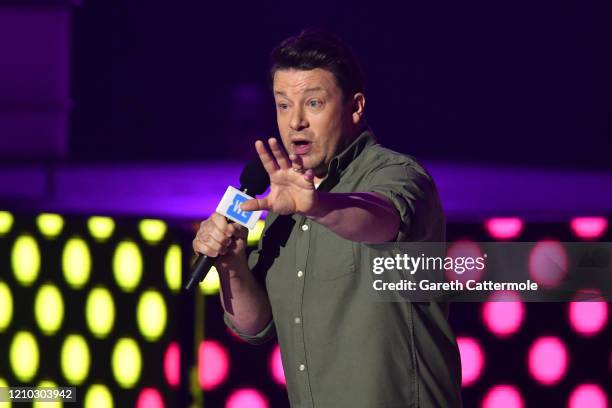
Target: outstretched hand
(292, 187)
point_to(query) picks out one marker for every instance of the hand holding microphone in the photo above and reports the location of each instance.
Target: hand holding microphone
(292, 191)
(220, 239)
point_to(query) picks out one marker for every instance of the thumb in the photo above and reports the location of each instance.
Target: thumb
(255, 204)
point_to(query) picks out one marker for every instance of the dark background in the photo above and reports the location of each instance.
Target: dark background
(498, 82)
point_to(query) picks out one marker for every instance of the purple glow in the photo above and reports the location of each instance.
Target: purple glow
(213, 364)
(276, 366)
(472, 360)
(589, 228)
(548, 263)
(588, 396)
(547, 360)
(503, 317)
(246, 398)
(193, 191)
(503, 396)
(504, 228)
(588, 318)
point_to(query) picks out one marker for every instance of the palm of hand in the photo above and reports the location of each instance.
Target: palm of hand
(290, 193)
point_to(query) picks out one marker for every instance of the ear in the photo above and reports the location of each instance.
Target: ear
(358, 107)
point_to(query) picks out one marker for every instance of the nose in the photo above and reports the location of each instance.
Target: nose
(298, 121)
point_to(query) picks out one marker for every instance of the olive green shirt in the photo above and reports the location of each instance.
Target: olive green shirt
(340, 349)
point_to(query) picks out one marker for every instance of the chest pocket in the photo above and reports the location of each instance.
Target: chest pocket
(332, 256)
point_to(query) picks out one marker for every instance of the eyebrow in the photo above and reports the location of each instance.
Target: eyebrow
(307, 90)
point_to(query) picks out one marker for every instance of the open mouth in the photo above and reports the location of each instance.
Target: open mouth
(301, 146)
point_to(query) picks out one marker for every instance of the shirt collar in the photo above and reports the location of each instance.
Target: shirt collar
(341, 161)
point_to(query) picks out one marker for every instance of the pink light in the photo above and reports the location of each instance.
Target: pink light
(504, 228)
(588, 396)
(213, 364)
(589, 227)
(472, 360)
(548, 263)
(246, 398)
(548, 360)
(464, 248)
(504, 314)
(276, 366)
(149, 398)
(503, 396)
(588, 318)
(172, 364)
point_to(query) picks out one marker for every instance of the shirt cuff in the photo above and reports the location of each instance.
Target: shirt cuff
(267, 333)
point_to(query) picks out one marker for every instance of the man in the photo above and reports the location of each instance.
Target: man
(333, 187)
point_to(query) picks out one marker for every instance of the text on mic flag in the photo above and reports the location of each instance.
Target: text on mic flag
(230, 207)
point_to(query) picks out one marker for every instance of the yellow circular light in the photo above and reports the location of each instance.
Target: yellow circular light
(6, 306)
(98, 396)
(127, 265)
(126, 362)
(255, 234)
(40, 404)
(76, 262)
(151, 314)
(210, 284)
(100, 312)
(25, 259)
(101, 228)
(6, 222)
(173, 268)
(152, 231)
(49, 309)
(50, 225)
(24, 355)
(3, 384)
(75, 359)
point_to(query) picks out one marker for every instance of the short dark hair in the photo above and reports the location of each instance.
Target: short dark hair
(318, 48)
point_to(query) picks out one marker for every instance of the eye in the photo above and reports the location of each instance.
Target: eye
(315, 103)
(282, 106)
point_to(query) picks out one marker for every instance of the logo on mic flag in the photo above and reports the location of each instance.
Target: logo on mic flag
(230, 207)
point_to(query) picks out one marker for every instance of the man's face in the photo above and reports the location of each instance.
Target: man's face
(313, 118)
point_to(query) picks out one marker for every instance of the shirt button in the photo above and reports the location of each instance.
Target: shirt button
(297, 320)
(300, 274)
(302, 367)
(305, 227)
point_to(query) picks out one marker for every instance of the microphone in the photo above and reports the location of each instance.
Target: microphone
(254, 180)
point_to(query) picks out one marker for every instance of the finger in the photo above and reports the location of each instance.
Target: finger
(201, 248)
(268, 161)
(309, 176)
(296, 162)
(208, 250)
(195, 245)
(256, 204)
(217, 236)
(239, 231)
(279, 154)
(221, 224)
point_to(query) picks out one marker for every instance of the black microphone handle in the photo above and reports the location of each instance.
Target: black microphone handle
(203, 263)
(200, 269)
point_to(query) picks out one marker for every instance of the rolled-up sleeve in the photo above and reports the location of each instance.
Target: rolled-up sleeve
(267, 333)
(413, 194)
